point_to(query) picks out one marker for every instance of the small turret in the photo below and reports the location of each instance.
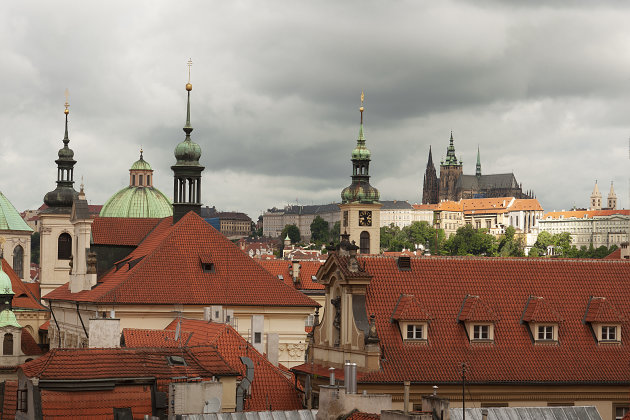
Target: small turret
(596, 198)
(612, 198)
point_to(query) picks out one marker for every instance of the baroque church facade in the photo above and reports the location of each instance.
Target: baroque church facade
(453, 185)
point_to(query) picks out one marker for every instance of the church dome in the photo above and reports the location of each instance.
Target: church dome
(7, 318)
(141, 165)
(360, 192)
(5, 283)
(60, 197)
(187, 153)
(138, 202)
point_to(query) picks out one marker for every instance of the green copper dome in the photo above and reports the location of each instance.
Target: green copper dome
(141, 165)
(360, 192)
(7, 318)
(361, 152)
(187, 153)
(10, 219)
(5, 283)
(138, 202)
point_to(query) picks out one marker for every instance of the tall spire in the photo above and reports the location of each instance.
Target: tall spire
(187, 170)
(360, 190)
(451, 159)
(64, 194)
(478, 172)
(430, 162)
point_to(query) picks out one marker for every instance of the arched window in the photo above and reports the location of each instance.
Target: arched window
(64, 246)
(140, 181)
(148, 180)
(364, 243)
(18, 261)
(7, 345)
(133, 180)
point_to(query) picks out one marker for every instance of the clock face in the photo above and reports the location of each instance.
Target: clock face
(365, 218)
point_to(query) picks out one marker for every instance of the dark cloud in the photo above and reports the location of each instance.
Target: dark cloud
(542, 90)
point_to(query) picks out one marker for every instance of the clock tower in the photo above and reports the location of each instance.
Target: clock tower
(360, 209)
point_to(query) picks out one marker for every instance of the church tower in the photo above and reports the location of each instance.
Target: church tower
(360, 209)
(450, 171)
(187, 170)
(478, 171)
(56, 227)
(612, 198)
(596, 199)
(431, 183)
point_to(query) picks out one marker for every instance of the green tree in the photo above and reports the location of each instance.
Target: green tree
(35, 248)
(293, 232)
(335, 233)
(510, 245)
(394, 239)
(544, 240)
(471, 241)
(422, 233)
(319, 230)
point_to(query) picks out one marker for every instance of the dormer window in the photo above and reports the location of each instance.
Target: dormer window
(415, 332)
(604, 320)
(545, 333)
(481, 332)
(609, 333)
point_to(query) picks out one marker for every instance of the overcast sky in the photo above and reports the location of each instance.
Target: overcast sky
(544, 91)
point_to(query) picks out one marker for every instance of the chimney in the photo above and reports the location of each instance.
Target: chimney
(484, 414)
(104, 332)
(258, 322)
(295, 265)
(273, 343)
(407, 385)
(331, 370)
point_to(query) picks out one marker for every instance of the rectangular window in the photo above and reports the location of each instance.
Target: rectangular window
(140, 180)
(481, 332)
(257, 337)
(545, 332)
(620, 412)
(414, 332)
(609, 333)
(488, 224)
(478, 224)
(148, 180)
(22, 400)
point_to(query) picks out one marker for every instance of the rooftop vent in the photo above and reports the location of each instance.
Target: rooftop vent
(207, 267)
(404, 263)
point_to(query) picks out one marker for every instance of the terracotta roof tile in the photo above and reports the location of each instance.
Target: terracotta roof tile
(91, 404)
(615, 255)
(169, 270)
(505, 284)
(271, 389)
(538, 310)
(9, 405)
(475, 309)
(358, 415)
(580, 214)
(23, 297)
(45, 325)
(29, 345)
(525, 204)
(409, 309)
(90, 363)
(600, 309)
(127, 231)
(308, 269)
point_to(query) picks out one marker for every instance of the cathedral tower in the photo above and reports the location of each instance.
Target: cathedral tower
(430, 188)
(450, 171)
(187, 170)
(612, 198)
(596, 198)
(360, 209)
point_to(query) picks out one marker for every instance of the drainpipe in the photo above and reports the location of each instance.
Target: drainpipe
(407, 384)
(82, 324)
(56, 323)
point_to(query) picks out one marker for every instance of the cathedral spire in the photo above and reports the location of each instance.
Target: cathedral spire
(478, 172)
(451, 159)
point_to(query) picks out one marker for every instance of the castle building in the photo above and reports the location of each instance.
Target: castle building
(140, 198)
(360, 208)
(453, 185)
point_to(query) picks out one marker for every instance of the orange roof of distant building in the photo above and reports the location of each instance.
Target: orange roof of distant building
(526, 204)
(167, 267)
(583, 214)
(450, 206)
(271, 390)
(425, 206)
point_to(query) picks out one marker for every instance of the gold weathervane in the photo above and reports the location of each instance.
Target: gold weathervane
(361, 107)
(66, 93)
(189, 85)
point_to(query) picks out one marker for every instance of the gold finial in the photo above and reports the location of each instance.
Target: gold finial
(66, 111)
(189, 85)
(361, 107)
(141, 152)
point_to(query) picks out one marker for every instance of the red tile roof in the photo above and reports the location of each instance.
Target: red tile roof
(90, 363)
(29, 345)
(45, 325)
(505, 285)
(96, 404)
(270, 390)
(579, 214)
(126, 231)
(615, 255)
(168, 270)
(475, 309)
(358, 415)
(409, 309)
(308, 269)
(9, 404)
(24, 298)
(600, 309)
(538, 310)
